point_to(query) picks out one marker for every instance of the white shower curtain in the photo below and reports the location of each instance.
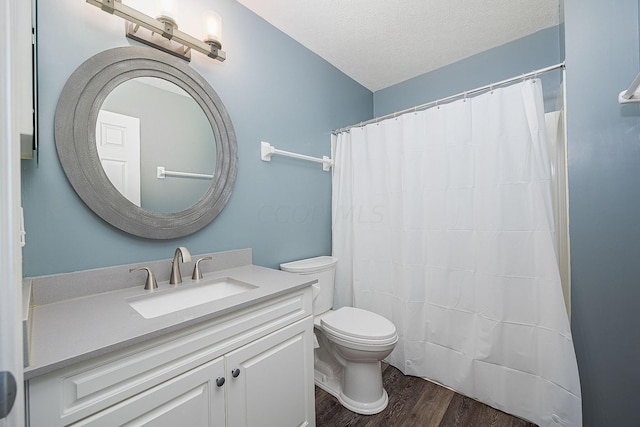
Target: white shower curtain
(442, 222)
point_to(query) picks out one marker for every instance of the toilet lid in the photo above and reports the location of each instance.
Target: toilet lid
(310, 265)
(359, 325)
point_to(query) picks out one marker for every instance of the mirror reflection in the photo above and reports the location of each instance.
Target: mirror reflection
(146, 123)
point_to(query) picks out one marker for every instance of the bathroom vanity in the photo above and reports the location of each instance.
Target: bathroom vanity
(244, 359)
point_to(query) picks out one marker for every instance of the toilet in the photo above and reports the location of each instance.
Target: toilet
(351, 342)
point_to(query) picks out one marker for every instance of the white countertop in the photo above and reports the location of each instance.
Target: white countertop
(73, 330)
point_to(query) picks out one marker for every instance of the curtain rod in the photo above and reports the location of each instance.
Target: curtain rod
(449, 98)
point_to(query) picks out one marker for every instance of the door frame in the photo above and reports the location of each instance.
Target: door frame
(11, 357)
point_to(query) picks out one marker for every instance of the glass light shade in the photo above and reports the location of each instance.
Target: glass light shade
(213, 27)
(166, 9)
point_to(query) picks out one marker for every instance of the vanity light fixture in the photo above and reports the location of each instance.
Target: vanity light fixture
(162, 32)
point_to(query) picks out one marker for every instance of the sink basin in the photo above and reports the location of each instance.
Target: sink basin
(187, 295)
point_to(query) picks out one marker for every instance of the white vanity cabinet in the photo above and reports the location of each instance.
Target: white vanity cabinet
(190, 399)
(253, 367)
(269, 389)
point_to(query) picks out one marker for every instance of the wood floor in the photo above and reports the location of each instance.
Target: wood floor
(415, 402)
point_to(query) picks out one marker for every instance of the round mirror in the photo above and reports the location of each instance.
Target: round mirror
(148, 123)
(176, 204)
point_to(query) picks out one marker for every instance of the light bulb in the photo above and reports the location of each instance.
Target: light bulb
(213, 25)
(166, 9)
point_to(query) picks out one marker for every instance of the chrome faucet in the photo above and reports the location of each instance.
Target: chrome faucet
(151, 283)
(181, 252)
(197, 273)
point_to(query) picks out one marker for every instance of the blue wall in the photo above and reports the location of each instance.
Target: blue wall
(529, 53)
(604, 190)
(274, 89)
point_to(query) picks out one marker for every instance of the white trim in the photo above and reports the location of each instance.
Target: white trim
(10, 252)
(565, 212)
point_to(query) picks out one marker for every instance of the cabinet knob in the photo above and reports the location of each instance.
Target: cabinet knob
(220, 381)
(235, 373)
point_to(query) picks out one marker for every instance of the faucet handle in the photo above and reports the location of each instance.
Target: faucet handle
(150, 284)
(197, 274)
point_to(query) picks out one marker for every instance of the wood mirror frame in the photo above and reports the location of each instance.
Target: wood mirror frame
(75, 137)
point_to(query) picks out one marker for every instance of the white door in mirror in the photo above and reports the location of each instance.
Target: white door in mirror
(118, 143)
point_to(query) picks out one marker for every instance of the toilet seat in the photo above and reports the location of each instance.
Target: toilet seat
(359, 326)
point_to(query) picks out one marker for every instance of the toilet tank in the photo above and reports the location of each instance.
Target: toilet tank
(324, 268)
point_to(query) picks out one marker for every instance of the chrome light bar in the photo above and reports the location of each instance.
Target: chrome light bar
(160, 33)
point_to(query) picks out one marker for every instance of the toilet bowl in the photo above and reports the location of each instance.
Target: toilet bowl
(351, 342)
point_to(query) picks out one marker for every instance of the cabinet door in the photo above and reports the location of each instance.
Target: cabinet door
(274, 383)
(190, 399)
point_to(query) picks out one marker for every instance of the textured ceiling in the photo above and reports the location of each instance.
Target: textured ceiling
(380, 43)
